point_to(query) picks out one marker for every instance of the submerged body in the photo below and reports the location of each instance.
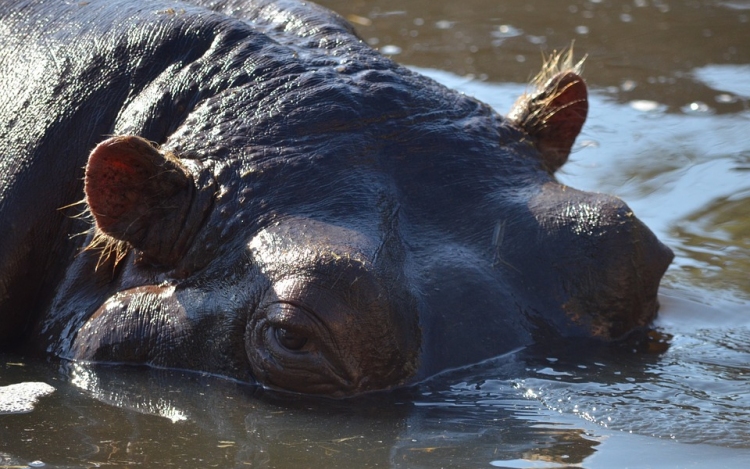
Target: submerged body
(281, 204)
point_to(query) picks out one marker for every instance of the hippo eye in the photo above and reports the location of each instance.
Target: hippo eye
(290, 340)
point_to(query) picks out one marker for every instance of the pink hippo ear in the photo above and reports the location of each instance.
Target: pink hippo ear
(141, 196)
(554, 113)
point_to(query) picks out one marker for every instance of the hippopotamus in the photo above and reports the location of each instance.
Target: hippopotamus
(246, 188)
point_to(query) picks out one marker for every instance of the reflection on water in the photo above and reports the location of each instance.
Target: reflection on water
(695, 392)
(122, 396)
(553, 405)
(667, 132)
(730, 78)
(19, 398)
(716, 240)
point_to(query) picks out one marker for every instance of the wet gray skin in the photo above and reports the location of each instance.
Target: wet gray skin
(310, 215)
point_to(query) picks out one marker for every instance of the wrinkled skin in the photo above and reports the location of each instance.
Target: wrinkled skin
(310, 215)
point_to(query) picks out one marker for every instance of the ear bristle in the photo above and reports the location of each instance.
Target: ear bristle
(110, 249)
(535, 117)
(555, 63)
(553, 112)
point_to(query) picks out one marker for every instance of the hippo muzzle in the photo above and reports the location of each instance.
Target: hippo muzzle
(604, 262)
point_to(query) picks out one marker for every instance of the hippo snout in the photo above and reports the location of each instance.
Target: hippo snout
(605, 263)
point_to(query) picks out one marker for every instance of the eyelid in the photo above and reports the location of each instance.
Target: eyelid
(297, 320)
(287, 314)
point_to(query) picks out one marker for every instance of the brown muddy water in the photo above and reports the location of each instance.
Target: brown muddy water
(669, 132)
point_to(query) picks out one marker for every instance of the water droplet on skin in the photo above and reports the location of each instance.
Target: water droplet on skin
(626, 18)
(444, 24)
(582, 30)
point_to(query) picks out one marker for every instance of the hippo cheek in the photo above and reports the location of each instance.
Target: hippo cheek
(602, 263)
(469, 312)
(143, 325)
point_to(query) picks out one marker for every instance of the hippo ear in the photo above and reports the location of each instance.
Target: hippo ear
(554, 113)
(142, 196)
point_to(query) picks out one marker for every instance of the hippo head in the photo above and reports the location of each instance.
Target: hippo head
(365, 229)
